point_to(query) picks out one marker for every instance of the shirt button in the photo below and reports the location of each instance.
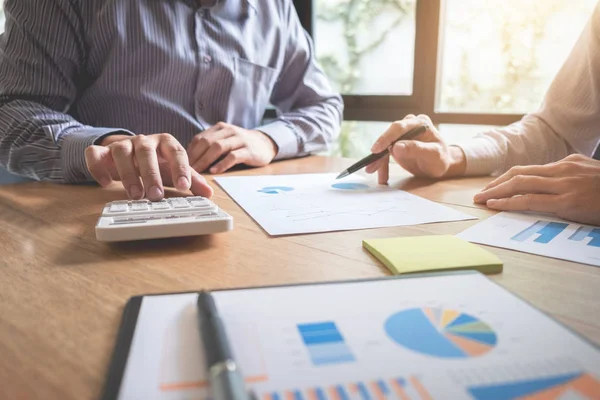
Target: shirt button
(201, 105)
(207, 59)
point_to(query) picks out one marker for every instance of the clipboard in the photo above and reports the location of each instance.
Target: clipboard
(334, 356)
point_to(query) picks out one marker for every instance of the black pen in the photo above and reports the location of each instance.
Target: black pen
(376, 156)
(224, 376)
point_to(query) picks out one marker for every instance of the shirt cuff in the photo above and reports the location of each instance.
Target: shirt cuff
(73, 152)
(284, 136)
(482, 155)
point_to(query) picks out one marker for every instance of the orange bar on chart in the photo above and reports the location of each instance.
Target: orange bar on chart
(399, 390)
(333, 393)
(379, 395)
(312, 394)
(423, 393)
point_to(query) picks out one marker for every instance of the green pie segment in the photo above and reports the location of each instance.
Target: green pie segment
(472, 327)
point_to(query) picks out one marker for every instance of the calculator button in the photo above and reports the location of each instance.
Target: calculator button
(181, 204)
(119, 207)
(199, 203)
(161, 205)
(140, 206)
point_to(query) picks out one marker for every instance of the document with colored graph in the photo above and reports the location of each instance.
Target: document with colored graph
(446, 336)
(308, 203)
(539, 234)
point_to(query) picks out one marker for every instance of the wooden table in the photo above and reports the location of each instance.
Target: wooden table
(62, 292)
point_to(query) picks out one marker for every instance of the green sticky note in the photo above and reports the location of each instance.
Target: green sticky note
(407, 255)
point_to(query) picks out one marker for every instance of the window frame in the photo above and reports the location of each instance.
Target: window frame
(429, 43)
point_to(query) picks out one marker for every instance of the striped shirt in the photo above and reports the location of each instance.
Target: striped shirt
(73, 71)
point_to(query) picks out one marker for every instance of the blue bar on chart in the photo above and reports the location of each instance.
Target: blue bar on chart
(584, 232)
(547, 231)
(395, 388)
(325, 343)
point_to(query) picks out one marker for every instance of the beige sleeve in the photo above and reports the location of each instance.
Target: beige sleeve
(568, 121)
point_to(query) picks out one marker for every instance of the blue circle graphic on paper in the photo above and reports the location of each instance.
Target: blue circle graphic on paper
(276, 189)
(350, 186)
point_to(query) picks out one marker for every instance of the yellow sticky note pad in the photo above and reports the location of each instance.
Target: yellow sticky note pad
(406, 255)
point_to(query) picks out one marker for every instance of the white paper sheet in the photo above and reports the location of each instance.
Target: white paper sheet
(292, 204)
(437, 337)
(539, 234)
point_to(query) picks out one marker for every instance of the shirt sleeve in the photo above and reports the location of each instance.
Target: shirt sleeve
(41, 54)
(309, 111)
(567, 122)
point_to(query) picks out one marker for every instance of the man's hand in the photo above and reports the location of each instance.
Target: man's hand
(428, 156)
(234, 145)
(144, 164)
(569, 188)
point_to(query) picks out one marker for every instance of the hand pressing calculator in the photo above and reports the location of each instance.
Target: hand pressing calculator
(173, 217)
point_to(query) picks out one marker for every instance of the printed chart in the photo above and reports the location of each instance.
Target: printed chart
(388, 389)
(306, 203)
(545, 231)
(531, 234)
(325, 343)
(441, 333)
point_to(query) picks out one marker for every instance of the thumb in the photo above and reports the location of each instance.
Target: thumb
(199, 186)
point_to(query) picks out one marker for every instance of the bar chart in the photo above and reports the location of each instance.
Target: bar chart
(546, 230)
(587, 232)
(325, 343)
(535, 234)
(379, 389)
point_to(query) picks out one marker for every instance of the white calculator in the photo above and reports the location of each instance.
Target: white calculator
(173, 217)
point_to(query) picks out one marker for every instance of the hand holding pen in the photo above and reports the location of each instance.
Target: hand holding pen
(424, 153)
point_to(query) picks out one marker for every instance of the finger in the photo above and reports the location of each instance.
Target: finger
(176, 157)
(98, 159)
(520, 185)
(199, 186)
(374, 166)
(122, 154)
(201, 142)
(394, 132)
(233, 158)
(569, 166)
(144, 148)
(383, 173)
(539, 170)
(216, 150)
(545, 203)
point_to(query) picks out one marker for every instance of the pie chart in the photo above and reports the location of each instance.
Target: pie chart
(439, 332)
(275, 189)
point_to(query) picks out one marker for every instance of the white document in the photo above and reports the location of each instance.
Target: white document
(292, 204)
(539, 234)
(437, 337)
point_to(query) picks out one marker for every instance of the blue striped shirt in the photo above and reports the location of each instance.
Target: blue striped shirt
(73, 71)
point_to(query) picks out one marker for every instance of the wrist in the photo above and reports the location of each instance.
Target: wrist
(458, 162)
(270, 143)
